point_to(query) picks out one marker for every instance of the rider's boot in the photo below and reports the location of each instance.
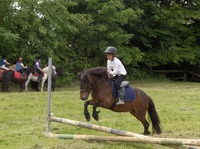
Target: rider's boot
(39, 77)
(120, 97)
(23, 75)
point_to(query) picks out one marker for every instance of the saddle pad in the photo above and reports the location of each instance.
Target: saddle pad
(129, 93)
(17, 75)
(2, 70)
(36, 74)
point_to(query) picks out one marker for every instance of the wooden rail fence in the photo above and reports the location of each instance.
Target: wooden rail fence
(185, 76)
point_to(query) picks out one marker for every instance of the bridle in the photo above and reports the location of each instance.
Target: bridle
(92, 86)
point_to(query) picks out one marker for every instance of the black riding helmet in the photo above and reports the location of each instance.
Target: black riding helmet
(110, 50)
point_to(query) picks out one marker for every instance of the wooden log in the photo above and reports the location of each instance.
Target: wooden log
(96, 127)
(125, 136)
(169, 71)
(149, 140)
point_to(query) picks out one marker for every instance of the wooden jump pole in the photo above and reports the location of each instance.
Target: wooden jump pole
(96, 127)
(125, 136)
(149, 140)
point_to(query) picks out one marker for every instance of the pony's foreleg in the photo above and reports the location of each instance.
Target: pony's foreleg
(42, 83)
(42, 86)
(86, 113)
(5, 86)
(27, 82)
(95, 113)
(21, 87)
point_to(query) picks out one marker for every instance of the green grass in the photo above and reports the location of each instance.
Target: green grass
(23, 117)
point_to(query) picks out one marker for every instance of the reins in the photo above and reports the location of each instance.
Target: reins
(93, 86)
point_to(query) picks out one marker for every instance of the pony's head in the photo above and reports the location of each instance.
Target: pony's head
(90, 79)
(31, 69)
(60, 71)
(85, 86)
(54, 70)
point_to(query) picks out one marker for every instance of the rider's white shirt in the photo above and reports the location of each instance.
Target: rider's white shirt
(115, 67)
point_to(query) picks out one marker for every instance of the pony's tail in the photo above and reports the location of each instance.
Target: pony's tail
(154, 117)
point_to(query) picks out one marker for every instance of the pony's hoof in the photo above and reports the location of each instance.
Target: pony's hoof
(87, 117)
(146, 133)
(96, 117)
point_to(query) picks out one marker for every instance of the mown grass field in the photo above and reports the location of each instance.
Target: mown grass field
(23, 117)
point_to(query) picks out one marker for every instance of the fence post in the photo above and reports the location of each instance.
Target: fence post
(49, 95)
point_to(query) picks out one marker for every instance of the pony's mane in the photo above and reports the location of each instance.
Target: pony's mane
(48, 67)
(97, 71)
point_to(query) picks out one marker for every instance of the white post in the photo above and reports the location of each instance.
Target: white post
(49, 95)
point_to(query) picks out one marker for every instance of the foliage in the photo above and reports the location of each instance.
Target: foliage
(75, 33)
(8, 41)
(164, 32)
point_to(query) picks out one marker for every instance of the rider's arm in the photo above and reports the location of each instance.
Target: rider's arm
(23, 65)
(7, 63)
(38, 67)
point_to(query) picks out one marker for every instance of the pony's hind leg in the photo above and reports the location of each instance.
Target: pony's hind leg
(5, 86)
(146, 127)
(144, 122)
(22, 86)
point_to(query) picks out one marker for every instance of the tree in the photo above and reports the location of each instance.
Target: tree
(164, 32)
(106, 28)
(75, 33)
(8, 39)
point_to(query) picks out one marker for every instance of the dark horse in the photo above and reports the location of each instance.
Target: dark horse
(97, 82)
(15, 76)
(1, 74)
(12, 67)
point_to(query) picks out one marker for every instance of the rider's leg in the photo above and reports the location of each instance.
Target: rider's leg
(120, 97)
(120, 92)
(22, 73)
(39, 75)
(4, 67)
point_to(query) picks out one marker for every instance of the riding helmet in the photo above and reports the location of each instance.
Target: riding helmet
(110, 50)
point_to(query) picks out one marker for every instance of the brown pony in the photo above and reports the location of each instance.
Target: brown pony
(1, 74)
(14, 76)
(12, 67)
(96, 81)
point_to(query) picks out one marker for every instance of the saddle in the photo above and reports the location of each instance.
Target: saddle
(127, 89)
(18, 75)
(36, 74)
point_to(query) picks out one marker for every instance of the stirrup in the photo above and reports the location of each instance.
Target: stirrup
(120, 102)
